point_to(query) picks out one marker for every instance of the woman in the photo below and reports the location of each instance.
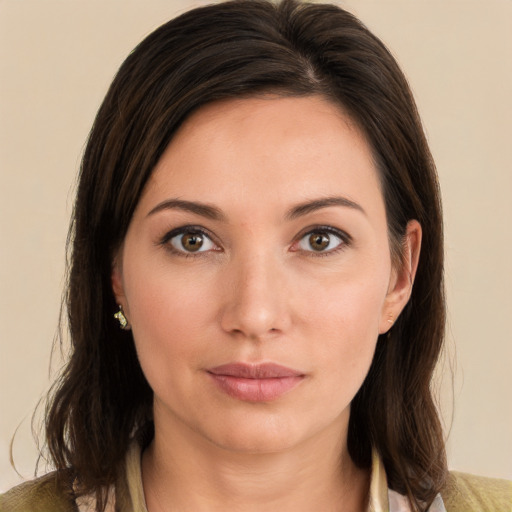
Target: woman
(255, 296)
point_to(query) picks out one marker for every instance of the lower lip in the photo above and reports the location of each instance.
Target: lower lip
(256, 390)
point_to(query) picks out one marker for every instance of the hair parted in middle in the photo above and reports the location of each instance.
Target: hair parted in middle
(237, 49)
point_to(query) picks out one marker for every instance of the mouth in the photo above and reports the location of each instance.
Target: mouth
(255, 382)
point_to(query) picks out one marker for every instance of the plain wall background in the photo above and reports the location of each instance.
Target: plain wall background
(57, 59)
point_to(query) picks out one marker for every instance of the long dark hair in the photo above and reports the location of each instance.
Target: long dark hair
(230, 50)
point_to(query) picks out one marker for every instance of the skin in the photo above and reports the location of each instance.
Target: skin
(257, 291)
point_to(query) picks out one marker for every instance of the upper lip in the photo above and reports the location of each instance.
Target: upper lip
(254, 371)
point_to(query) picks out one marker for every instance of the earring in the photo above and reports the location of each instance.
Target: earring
(123, 322)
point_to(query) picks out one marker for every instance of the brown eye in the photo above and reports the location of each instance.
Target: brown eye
(191, 241)
(318, 241)
(323, 241)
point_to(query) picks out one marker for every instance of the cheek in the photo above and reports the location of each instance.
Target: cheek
(349, 304)
(345, 323)
(161, 295)
(170, 315)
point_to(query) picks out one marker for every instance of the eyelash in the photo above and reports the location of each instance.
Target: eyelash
(346, 240)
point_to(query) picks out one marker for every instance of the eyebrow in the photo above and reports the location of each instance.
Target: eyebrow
(214, 213)
(316, 204)
(203, 209)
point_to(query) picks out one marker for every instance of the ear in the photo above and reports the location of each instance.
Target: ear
(402, 278)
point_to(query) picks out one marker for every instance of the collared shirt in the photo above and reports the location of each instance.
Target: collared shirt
(382, 499)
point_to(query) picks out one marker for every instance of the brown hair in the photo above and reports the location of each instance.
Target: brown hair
(230, 50)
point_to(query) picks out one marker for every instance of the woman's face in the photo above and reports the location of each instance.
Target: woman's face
(256, 274)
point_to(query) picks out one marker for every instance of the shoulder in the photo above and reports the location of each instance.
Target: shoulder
(470, 493)
(44, 494)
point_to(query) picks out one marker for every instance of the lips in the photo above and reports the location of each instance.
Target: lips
(255, 382)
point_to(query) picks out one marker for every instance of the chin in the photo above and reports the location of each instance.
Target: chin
(255, 442)
(258, 434)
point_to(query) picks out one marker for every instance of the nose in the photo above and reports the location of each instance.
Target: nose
(256, 304)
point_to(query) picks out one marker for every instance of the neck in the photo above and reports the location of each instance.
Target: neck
(187, 472)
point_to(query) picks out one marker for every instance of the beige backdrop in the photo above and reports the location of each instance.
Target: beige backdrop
(56, 60)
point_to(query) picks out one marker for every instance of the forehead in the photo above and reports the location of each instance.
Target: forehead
(267, 149)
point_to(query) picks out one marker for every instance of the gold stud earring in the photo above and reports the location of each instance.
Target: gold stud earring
(123, 322)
